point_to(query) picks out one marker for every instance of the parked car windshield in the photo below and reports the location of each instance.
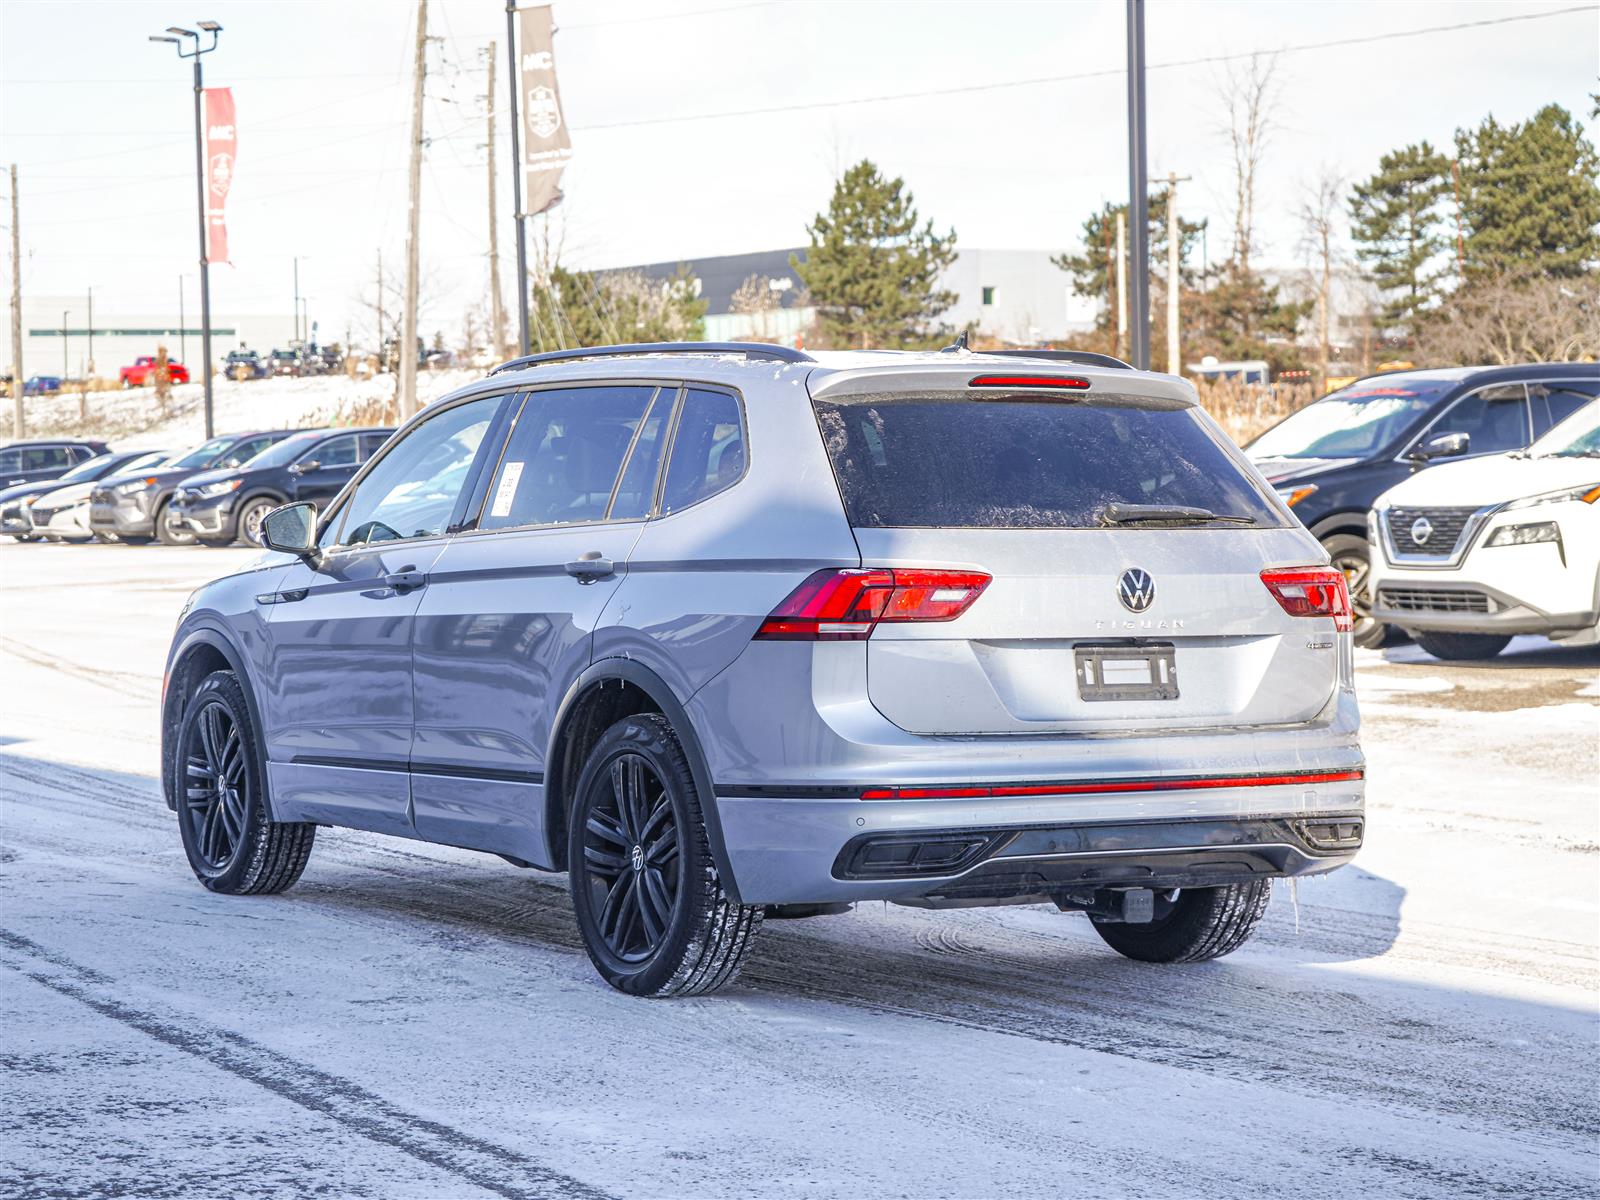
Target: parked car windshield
(1576, 437)
(1023, 463)
(283, 452)
(201, 456)
(1351, 423)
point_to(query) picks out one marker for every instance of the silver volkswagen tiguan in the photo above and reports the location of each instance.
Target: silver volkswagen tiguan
(733, 632)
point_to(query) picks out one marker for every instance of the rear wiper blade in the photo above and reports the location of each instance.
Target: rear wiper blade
(1166, 514)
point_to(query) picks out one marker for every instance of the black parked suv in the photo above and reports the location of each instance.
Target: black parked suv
(136, 508)
(30, 462)
(1332, 459)
(225, 505)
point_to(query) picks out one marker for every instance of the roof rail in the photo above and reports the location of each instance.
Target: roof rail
(748, 349)
(1084, 358)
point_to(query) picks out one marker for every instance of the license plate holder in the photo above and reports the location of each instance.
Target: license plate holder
(1126, 671)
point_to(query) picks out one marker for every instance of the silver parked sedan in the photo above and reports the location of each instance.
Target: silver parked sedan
(735, 631)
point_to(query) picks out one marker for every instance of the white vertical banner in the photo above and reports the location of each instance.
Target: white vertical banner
(545, 144)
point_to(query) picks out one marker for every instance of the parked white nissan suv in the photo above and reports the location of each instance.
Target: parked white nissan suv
(1471, 553)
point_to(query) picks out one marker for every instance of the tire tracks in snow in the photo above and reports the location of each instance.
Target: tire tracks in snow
(483, 1164)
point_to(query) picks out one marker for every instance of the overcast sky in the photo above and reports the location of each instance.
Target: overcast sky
(99, 122)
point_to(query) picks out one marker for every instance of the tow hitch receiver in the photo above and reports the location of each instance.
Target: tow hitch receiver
(1138, 906)
(1125, 906)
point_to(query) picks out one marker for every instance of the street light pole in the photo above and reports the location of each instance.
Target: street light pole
(297, 298)
(1138, 195)
(183, 355)
(195, 52)
(512, 78)
(63, 345)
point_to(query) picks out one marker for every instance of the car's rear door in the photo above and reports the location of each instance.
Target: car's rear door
(508, 618)
(1087, 626)
(337, 686)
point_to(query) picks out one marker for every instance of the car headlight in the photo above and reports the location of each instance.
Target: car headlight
(134, 487)
(1295, 493)
(217, 489)
(1525, 535)
(1588, 493)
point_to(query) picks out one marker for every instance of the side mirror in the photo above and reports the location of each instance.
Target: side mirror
(1444, 445)
(300, 468)
(291, 528)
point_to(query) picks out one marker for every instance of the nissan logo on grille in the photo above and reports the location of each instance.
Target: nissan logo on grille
(1421, 531)
(1136, 589)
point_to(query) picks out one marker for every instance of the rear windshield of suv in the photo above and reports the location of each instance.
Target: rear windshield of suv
(1021, 463)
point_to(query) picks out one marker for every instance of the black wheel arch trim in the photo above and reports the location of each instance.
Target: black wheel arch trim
(172, 705)
(647, 681)
(1351, 521)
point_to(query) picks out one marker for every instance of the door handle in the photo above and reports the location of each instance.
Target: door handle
(591, 566)
(408, 580)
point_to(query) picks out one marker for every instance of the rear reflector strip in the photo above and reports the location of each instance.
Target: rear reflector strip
(1193, 783)
(1071, 382)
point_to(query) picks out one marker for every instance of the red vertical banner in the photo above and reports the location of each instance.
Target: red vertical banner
(222, 143)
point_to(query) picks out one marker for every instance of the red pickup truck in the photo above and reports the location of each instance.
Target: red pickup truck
(143, 372)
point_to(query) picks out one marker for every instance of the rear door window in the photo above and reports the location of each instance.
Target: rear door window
(1553, 403)
(708, 452)
(636, 490)
(1022, 463)
(370, 443)
(335, 452)
(46, 458)
(564, 455)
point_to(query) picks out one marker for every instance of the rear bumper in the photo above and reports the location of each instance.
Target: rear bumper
(790, 850)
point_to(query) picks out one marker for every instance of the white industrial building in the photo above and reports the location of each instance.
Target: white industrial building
(1014, 295)
(57, 338)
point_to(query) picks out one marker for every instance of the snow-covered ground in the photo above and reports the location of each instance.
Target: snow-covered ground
(420, 1022)
(133, 419)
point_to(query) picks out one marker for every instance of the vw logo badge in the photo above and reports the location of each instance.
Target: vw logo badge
(1136, 589)
(1421, 531)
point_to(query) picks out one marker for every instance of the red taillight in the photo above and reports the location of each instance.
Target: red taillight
(845, 604)
(1311, 592)
(1029, 381)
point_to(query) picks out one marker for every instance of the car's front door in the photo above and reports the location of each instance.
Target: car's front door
(509, 615)
(337, 682)
(325, 468)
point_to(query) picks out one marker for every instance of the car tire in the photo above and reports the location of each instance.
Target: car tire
(1352, 555)
(1462, 647)
(250, 520)
(169, 535)
(651, 908)
(232, 843)
(1200, 924)
(26, 537)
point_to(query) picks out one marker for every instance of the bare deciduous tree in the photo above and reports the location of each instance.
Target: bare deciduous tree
(1249, 96)
(1320, 208)
(758, 298)
(1514, 317)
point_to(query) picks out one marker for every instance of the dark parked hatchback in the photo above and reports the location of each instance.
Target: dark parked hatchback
(1332, 459)
(137, 508)
(226, 505)
(29, 462)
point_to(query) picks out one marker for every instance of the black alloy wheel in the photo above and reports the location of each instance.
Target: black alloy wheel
(632, 860)
(216, 788)
(232, 843)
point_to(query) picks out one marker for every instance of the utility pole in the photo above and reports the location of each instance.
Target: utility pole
(183, 354)
(16, 314)
(381, 338)
(516, 179)
(64, 371)
(497, 312)
(1174, 283)
(408, 335)
(295, 337)
(1122, 283)
(1138, 191)
(1461, 240)
(89, 372)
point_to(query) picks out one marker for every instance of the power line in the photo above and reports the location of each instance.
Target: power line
(1001, 85)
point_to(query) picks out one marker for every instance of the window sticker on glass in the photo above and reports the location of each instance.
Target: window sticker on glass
(507, 491)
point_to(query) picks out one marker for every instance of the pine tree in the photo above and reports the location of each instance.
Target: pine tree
(1093, 270)
(1396, 225)
(871, 271)
(1529, 194)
